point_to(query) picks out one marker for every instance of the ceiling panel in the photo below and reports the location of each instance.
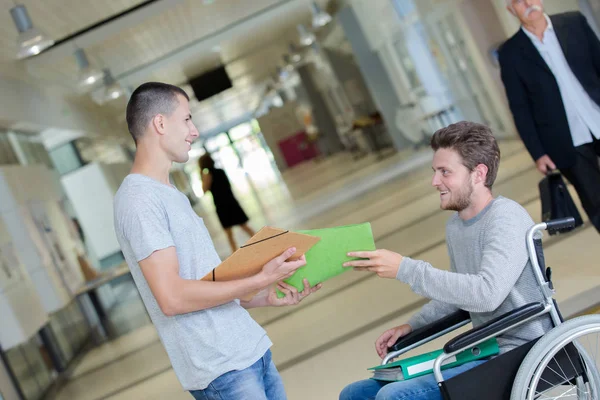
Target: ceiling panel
(158, 37)
(58, 18)
(251, 57)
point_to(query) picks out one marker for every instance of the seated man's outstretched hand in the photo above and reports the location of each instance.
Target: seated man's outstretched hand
(389, 337)
(384, 263)
(292, 296)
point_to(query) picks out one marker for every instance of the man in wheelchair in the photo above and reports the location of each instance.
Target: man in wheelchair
(490, 272)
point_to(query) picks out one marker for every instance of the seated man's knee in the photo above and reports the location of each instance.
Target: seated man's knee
(350, 392)
(347, 393)
(366, 389)
(409, 390)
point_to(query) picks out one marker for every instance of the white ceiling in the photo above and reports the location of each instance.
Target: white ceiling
(172, 41)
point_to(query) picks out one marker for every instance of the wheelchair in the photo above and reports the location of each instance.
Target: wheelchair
(563, 363)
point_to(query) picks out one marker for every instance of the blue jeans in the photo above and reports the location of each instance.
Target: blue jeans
(422, 388)
(260, 381)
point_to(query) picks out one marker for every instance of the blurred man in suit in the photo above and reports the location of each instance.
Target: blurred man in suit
(551, 73)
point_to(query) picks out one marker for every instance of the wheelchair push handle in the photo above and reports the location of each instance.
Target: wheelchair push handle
(560, 224)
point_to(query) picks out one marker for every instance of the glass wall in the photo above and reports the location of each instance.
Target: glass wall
(66, 158)
(456, 60)
(37, 363)
(7, 154)
(33, 362)
(242, 153)
(428, 49)
(32, 367)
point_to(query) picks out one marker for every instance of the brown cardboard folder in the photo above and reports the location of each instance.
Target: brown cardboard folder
(264, 246)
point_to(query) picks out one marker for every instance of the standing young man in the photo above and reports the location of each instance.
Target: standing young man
(217, 350)
(490, 273)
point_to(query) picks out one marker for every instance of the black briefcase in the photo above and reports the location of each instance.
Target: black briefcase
(556, 200)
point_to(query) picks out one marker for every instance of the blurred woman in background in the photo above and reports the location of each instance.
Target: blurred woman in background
(229, 211)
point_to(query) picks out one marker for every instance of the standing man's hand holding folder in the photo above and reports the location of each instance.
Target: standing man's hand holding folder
(261, 256)
(175, 295)
(326, 258)
(269, 297)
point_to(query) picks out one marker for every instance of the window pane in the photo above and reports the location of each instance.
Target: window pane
(240, 131)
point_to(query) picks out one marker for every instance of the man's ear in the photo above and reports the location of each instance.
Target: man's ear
(481, 171)
(158, 122)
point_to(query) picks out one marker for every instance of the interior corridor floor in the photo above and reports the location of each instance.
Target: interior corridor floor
(327, 341)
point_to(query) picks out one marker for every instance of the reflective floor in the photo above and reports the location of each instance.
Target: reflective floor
(327, 341)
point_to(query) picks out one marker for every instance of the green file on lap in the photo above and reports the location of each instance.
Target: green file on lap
(422, 364)
(324, 260)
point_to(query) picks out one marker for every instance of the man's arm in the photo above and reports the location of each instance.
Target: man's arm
(145, 226)
(503, 260)
(435, 309)
(176, 295)
(593, 41)
(431, 312)
(386, 264)
(268, 297)
(520, 107)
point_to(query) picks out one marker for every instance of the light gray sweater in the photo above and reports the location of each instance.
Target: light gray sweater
(490, 272)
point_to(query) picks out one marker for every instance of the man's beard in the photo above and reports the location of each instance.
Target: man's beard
(462, 200)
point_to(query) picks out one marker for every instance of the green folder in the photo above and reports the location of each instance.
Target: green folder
(324, 260)
(423, 364)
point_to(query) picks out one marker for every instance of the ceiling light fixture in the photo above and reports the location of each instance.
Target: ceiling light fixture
(87, 74)
(30, 41)
(319, 17)
(295, 56)
(112, 88)
(306, 38)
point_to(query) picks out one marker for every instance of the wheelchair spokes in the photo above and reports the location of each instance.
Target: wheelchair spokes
(569, 369)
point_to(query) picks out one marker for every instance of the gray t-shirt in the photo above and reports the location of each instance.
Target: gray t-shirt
(201, 345)
(490, 272)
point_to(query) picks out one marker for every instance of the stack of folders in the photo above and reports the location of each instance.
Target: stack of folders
(423, 364)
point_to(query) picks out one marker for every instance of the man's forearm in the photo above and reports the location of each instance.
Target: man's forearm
(470, 292)
(195, 295)
(259, 300)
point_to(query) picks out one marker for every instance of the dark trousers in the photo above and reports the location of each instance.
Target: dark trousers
(585, 178)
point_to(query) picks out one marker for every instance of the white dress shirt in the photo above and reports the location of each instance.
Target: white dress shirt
(583, 114)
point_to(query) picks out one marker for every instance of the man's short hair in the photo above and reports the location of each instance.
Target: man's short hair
(149, 100)
(475, 143)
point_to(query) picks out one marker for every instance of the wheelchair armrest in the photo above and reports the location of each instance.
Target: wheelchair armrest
(492, 327)
(430, 329)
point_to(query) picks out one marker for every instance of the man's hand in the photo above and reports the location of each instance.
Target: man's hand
(292, 297)
(544, 164)
(268, 296)
(384, 263)
(279, 269)
(389, 337)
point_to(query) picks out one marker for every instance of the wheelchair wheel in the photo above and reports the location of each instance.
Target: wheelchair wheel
(564, 363)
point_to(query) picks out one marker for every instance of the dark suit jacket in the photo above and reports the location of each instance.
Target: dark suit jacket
(533, 92)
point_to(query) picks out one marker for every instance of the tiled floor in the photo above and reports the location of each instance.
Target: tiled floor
(327, 341)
